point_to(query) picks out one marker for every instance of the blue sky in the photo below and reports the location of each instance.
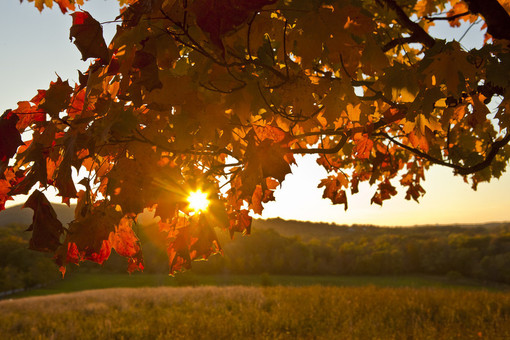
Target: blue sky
(35, 48)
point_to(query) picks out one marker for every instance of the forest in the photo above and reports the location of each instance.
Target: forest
(282, 247)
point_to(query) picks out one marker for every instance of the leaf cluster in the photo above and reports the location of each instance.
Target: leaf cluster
(218, 96)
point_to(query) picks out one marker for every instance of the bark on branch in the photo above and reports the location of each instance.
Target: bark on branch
(495, 15)
(418, 33)
(459, 169)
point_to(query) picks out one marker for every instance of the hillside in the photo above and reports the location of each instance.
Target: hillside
(18, 215)
(323, 231)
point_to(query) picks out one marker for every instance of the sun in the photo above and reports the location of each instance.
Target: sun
(198, 201)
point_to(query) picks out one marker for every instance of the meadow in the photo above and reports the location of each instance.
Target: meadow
(243, 312)
(300, 282)
(79, 281)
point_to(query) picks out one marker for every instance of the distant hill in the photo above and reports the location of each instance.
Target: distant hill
(322, 231)
(305, 230)
(17, 215)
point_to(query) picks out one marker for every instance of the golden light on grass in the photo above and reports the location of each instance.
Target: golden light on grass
(198, 201)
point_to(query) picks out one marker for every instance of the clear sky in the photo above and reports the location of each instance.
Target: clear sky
(35, 47)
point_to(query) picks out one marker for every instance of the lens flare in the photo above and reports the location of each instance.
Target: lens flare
(198, 201)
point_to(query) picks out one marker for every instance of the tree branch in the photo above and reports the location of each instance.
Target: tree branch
(495, 15)
(418, 33)
(459, 169)
(332, 150)
(451, 18)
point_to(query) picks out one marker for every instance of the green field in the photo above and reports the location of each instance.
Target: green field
(75, 282)
(241, 312)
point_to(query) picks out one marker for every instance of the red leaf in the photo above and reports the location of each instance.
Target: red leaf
(220, 17)
(10, 138)
(88, 237)
(178, 250)
(88, 35)
(4, 193)
(240, 221)
(126, 244)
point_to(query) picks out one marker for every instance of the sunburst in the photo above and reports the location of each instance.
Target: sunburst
(198, 201)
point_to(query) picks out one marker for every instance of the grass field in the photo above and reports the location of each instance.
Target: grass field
(241, 312)
(75, 282)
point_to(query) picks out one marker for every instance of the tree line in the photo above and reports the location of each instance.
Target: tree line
(21, 268)
(480, 252)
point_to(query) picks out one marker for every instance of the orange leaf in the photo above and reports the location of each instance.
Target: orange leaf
(363, 146)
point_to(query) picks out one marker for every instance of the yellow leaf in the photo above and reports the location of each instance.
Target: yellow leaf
(353, 112)
(424, 7)
(39, 4)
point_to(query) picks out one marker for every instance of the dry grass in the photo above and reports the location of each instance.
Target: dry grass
(260, 313)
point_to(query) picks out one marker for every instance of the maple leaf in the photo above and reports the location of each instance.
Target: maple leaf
(28, 114)
(46, 228)
(264, 160)
(333, 189)
(452, 68)
(385, 191)
(64, 181)
(10, 138)
(458, 8)
(240, 221)
(425, 7)
(88, 37)
(88, 237)
(363, 146)
(56, 98)
(5, 188)
(220, 17)
(126, 244)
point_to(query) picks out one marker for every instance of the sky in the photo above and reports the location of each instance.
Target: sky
(35, 48)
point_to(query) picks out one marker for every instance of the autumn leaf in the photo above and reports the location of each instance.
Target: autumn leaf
(88, 37)
(217, 18)
(240, 222)
(385, 191)
(452, 68)
(363, 146)
(46, 228)
(56, 98)
(64, 181)
(88, 237)
(5, 188)
(10, 138)
(425, 7)
(28, 114)
(126, 244)
(264, 160)
(333, 189)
